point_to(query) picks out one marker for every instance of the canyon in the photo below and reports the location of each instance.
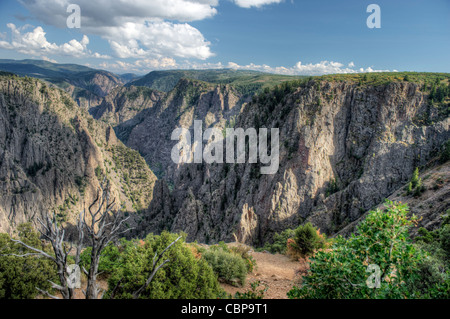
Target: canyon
(345, 146)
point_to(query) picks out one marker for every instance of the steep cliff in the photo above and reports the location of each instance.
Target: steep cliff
(344, 147)
(150, 131)
(53, 154)
(123, 104)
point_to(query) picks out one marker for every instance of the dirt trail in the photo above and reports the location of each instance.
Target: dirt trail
(277, 271)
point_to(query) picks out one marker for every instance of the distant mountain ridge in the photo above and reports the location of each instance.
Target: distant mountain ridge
(98, 82)
(167, 80)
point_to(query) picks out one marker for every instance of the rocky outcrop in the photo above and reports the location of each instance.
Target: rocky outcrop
(123, 104)
(53, 154)
(150, 131)
(429, 206)
(344, 147)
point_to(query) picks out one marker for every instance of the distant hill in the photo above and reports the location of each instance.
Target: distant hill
(40, 68)
(245, 81)
(98, 82)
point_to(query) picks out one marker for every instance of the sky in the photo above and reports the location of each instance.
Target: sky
(297, 37)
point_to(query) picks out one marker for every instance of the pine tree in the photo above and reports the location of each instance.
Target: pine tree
(410, 189)
(415, 178)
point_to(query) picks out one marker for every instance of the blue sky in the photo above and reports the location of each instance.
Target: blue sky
(289, 37)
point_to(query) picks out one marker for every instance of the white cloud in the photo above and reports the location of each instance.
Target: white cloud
(255, 3)
(139, 28)
(116, 12)
(164, 63)
(140, 66)
(321, 68)
(48, 59)
(35, 43)
(156, 40)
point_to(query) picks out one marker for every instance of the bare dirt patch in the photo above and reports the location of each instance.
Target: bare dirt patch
(278, 271)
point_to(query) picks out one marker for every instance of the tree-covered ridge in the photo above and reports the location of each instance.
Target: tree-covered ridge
(246, 82)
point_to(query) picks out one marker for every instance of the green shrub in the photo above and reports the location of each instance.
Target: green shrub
(426, 236)
(445, 154)
(332, 188)
(244, 252)
(253, 292)
(445, 239)
(229, 267)
(415, 186)
(431, 279)
(307, 240)
(382, 239)
(19, 276)
(183, 277)
(279, 244)
(415, 178)
(109, 259)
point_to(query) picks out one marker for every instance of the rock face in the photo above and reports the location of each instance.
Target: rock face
(123, 104)
(53, 154)
(429, 206)
(344, 147)
(89, 89)
(150, 131)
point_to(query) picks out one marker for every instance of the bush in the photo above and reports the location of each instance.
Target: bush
(244, 252)
(332, 188)
(432, 274)
(382, 239)
(109, 259)
(415, 178)
(183, 277)
(19, 276)
(228, 266)
(279, 244)
(415, 186)
(445, 154)
(426, 236)
(445, 239)
(307, 239)
(253, 292)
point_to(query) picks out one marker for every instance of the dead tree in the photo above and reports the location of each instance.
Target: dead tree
(55, 235)
(105, 225)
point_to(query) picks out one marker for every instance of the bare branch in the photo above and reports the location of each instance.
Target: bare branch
(85, 271)
(164, 251)
(113, 293)
(34, 249)
(56, 286)
(47, 293)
